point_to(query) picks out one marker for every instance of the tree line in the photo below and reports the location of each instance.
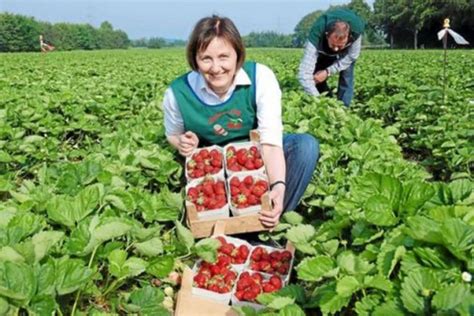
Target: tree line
(393, 23)
(21, 34)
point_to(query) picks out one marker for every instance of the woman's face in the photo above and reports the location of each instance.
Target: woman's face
(218, 63)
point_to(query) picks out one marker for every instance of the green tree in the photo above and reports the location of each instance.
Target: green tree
(18, 33)
(268, 39)
(303, 27)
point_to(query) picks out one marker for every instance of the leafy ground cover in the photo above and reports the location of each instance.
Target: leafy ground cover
(91, 194)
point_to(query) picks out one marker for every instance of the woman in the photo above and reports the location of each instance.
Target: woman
(223, 98)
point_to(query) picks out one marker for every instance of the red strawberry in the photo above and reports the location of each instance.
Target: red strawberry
(276, 282)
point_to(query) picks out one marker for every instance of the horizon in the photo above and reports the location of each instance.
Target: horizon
(171, 20)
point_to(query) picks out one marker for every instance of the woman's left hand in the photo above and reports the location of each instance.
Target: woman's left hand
(272, 218)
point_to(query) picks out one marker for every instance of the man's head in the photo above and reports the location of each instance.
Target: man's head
(338, 35)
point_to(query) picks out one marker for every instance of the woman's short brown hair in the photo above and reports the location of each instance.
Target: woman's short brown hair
(209, 28)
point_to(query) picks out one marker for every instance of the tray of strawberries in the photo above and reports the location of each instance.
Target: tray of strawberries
(209, 197)
(241, 157)
(205, 161)
(246, 192)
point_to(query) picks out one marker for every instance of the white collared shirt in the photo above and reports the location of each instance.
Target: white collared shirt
(268, 96)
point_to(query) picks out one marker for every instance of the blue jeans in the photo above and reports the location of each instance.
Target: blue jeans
(345, 89)
(301, 156)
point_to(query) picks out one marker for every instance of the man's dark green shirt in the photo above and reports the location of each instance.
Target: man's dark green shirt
(321, 25)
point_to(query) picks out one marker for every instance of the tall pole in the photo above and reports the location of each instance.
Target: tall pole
(445, 48)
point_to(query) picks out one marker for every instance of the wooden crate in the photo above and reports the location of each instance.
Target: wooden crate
(233, 225)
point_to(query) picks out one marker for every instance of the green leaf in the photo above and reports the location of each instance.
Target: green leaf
(314, 268)
(4, 307)
(294, 291)
(149, 300)
(245, 310)
(121, 200)
(330, 247)
(23, 225)
(280, 302)
(415, 195)
(388, 258)
(378, 211)
(43, 305)
(451, 296)
(17, 281)
(328, 300)
(432, 257)
(365, 305)
(378, 282)
(301, 237)
(150, 248)
(71, 274)
(46, 275)
(166, 206)
(457, 234)
(117, 260)
(43, 241)
(110, 228)
(206, 249)
(68, 211)
(161, 266)
(7, 253)
(461, 189)
(416, 287)
(388, 308)
(347, 286)
(184, 235)
(293, 218)
(135, 266)
(424, 229)
(291, 310)
(353, 264)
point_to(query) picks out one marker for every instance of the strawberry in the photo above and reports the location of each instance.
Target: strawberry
(268, 287)
(248, 181)
(276, 282)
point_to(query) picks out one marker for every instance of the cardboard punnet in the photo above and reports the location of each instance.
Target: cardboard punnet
(188, 304)
(219, 213)
(285, 277)
(237, 242)
(188, 159)
(235, 301)
(253, 209)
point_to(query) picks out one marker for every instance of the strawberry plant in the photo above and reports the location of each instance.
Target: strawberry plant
(91, 194)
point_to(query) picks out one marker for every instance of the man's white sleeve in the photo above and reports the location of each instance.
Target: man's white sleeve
(306, 69)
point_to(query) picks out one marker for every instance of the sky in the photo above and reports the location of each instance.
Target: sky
(170, 19)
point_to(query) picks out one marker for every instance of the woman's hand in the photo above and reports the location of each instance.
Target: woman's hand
(272, 218)
(187, 142)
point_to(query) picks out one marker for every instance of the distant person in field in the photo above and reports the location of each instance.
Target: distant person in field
(333, 47)
(223, 98)
(45, 47)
